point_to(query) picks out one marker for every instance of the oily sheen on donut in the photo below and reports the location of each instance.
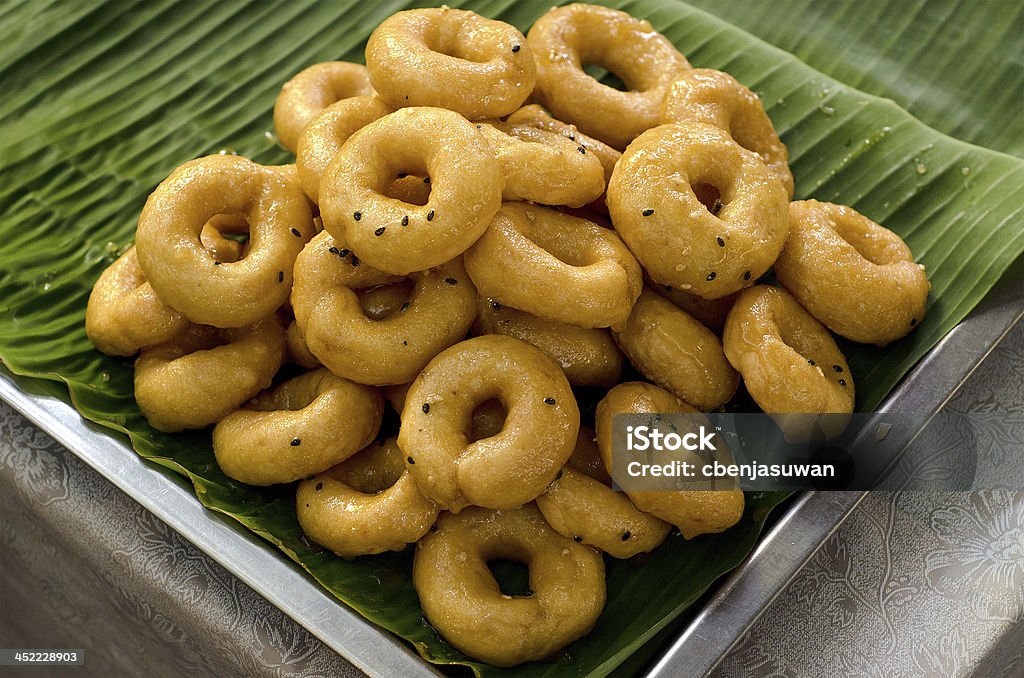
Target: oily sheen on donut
(312, 90)
(399, 237)
(535, 116)
(505, 470)
(855, 276)
(462, 600)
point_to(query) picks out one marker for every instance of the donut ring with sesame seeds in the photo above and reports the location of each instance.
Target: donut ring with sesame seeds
(717, 98)
(367, 504)
(790, 363)
(451, 58)
(504, 470)
(544, 167)
(857, 277)
(556, 266)
(385, 351)
(568, 38)
(187, 276)
(534, 115)
(303, 426)
(588, 357)
(461, 599)
(201, 375)
(588, 511)
(399, 237)
(659, 201)
(312, 90)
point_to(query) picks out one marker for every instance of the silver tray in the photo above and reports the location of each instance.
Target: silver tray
(735, 603)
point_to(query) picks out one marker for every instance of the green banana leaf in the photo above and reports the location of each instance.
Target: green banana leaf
(102, 101)
(955, 65)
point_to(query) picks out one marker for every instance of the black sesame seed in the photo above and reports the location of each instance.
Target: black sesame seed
(746, 275)
(216, 263)
(842, 382)
(405, 306)
(810, 361)
(626, 535)
(721, 242)
(717, 207)
(572, 137)
(296, 233)
(333, 250)
(296, 442)
(380, 231)
(516, 48)
(496, 306)
(837, 368)
(319, 486)
(479, 126)
(711, 276)
(426, 180)
(405, 220)
(343, 253)
(405, 343)
(426, 408)
(451, 281)
(280, 276)
(410, 460)
(430, 215)
(355, 260)
(549, 401)
(581, 150)
(577, 539)
(307, 505)
(647, 212)
(357, 216)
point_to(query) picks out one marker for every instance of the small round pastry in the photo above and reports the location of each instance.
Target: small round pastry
(505, 470)
(535, 116)
(791, 365)
(462, 600)
(304, 426)
(312, 90)
(568, 38)
(711, 250)
(396, 236)
(367, 504)
(855, 276)
(676, 352)
(198, 377)
(694, 512)
(555, 266)
(451, 58)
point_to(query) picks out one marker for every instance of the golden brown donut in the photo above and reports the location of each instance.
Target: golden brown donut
(312, 90)
(198, 377)
(438, 313)
(677, 352)
(709, 251)
(789, 362)
(694, 512)
(487, 420)
(124, 314)
(588, 357)
(543, 167)
(717, 98)
(568, 38)
(304, 426)
(396, 236)
(556, 266)
(855, 276)
(186, 276)
(366, 504)
(505, 470)
(298, 351)
(462, 600)
(450, 58)
(535, 116)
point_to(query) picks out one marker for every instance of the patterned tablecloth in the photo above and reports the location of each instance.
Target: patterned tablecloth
(910, 584)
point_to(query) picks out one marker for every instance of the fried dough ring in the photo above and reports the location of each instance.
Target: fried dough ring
(186, 276)
(366, 504)
(327, 133)
(680, 242)
(535, 116)
(462, 600)
(505, 470)
(694, 512)
(198, 377)
(396, 236)
(556, 266)
(304, 426)
(567, 38)
(312, 90)
(789, 362)
(544, 167)
(855, 276)
(392, 350)
(450, 58)
(717, 98)
(677, 352)
(588, 357)
(124, 314)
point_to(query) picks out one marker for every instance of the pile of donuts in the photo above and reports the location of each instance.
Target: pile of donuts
(473, 228)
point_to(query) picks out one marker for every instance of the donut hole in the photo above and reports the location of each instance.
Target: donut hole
(710, 196)
(291, 396)
(511, 576)
(226, 237)
(412, 188)
(487, 420)
(382, 301)
(606, 76)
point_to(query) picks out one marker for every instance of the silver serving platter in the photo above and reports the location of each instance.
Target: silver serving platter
(736, 602)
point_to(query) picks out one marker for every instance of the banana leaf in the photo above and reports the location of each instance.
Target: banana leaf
(104, 100)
